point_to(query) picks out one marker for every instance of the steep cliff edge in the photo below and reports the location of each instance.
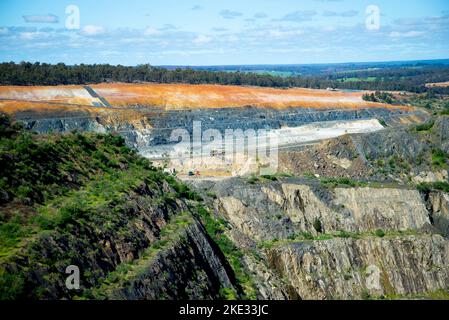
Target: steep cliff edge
(86, 200)
(313, 241)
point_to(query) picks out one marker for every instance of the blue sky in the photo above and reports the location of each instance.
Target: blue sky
(213, 32)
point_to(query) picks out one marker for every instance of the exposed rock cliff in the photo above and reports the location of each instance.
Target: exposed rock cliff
(317, 242)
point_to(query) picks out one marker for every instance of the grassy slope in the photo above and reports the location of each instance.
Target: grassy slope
(58, 192)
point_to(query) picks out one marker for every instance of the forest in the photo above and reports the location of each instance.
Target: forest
(394, 78)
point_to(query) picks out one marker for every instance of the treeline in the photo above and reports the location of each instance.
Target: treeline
(395, 79)
(46, 74)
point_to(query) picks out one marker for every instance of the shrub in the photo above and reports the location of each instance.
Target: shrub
(228, 294)
(344, 234)
(382, 122)
(270, 177)
(253, 180)
(425, 126)
(439, 157)
(317, 225)
(366, 295)
(307, 235)
(211, 195)
(379, 233)
(426, 187)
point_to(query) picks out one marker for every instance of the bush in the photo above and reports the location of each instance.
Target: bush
(425, 126)
(379, 233)
(382, 122)
(426, 187)
(317, 225)
(344, 234)
(211, 195)
(439, 158)
(228, 294)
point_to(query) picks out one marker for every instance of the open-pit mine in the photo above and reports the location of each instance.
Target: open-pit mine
(147, 115)
(334, 213)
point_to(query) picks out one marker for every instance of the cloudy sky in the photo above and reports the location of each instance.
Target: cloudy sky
(214, 32)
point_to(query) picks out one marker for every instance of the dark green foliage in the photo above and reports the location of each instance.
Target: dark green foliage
(334, 182)
(379, 233)
(66, 193)
(439, 158)
(425, 126)
(387, 78)
(253, 179)
(382, 97)
(382, 122)
(440, 185)
(182, 190)
(34, 169)
(270, 177)
(317, 225)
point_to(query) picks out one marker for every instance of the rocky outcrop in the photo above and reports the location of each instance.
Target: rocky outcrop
(438, 204)
(398, 154)
(359, 268)
(153, 125)
(191, 268)
(368, 242)
(279, 210)
(134, 127)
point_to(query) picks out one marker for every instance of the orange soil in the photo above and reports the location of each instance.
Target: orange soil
(105, 115)
(185, 96)
(18, 106)
(179, 96)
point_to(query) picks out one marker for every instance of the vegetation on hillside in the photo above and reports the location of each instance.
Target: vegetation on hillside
(436, 103)
(64, 197)
(413, 79)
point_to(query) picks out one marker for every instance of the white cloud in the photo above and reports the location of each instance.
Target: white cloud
(4, 31)
(408, 34)
(152, 32)
(201, 39)
(283, 34)
(91, 30)
(48, 18)
(30, 35)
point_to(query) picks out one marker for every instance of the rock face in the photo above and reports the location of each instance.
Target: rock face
(349, 268)
(281, 209)
(368, 242)
(155, 125)
(394, 154)
(438, 204)
(134, 127)
(190, 269)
